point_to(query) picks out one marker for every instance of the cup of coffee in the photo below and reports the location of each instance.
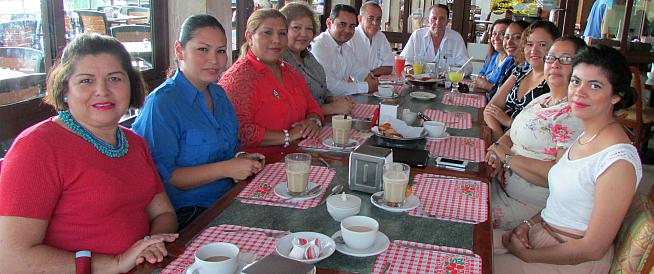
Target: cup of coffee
(385, 90)
(341, 127)
(298, 166)
(359, 232)
(216, 258)
(396, 179)
(435, 128)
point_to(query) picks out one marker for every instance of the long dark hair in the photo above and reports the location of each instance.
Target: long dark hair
(492, 49)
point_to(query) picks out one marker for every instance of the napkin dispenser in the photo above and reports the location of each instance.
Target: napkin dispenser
(367, 168)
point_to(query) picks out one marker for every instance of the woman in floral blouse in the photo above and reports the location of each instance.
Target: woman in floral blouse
(537, 138)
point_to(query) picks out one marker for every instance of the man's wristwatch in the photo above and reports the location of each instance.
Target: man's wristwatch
(287, 138)
(316, 120)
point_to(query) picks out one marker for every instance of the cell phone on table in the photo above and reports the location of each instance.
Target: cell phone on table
(451, 163)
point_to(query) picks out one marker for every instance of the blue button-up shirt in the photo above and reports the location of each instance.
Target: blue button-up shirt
(181, 131)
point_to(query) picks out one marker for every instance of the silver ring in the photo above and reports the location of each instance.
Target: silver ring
(147, 237)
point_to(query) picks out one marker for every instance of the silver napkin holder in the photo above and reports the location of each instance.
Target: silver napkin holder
(367, 167)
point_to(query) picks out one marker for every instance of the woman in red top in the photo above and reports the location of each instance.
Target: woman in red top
(273, 104)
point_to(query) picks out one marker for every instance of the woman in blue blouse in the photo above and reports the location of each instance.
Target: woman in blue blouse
(190, 125)
(497, 60)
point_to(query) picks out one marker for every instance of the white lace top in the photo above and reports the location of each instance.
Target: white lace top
(572, 185)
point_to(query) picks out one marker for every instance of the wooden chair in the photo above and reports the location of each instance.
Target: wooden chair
(137, 11)
(639, 118)
(26, 60)
(131, 33)
(19, 33)
(93, 21)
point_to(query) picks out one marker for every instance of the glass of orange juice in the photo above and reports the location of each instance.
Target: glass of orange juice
(418, 65)
(455, 74)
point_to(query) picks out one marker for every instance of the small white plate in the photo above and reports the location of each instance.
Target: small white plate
(330, 144)
(284, 245)
(281, 190)
(443, 136)
(376, 94)
(380, 245)
(421, 95)
(410, 203)
(245, 259)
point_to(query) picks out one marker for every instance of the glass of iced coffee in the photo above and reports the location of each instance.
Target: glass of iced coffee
(298, 166)
(396, 179)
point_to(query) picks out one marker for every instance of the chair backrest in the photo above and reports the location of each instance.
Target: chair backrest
(637, 84)
(19, 33)
(93, 21)
(1, 160)
(635, 240)
(26, 60)
(131, 33)
(136, 11)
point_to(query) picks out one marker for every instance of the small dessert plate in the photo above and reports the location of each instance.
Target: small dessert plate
(421, 95)
(281, 190)
(410, 203)
(380, 245)
(330, 144)
(284, 245)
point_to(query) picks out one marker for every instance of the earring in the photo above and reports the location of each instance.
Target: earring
(65, 99)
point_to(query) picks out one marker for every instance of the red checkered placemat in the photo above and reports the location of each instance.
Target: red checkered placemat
(262, 186)
(457, 147)
(404, 258)
(463, 99)
(326, 133)
(251, 242)
(452, 199)
(363, 111)
(460, 120)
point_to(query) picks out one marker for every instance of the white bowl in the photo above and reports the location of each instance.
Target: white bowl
(340, 209)
(284, 245)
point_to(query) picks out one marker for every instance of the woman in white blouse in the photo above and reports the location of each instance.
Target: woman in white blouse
(592, 185)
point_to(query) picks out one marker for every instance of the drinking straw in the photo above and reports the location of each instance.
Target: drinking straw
(464, 65)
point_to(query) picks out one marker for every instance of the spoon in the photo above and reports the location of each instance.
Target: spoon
(334, 190)
(311, 191)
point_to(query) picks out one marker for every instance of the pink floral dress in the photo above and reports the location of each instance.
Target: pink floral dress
(537, 132)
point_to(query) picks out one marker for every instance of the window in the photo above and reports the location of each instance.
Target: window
(28, 49)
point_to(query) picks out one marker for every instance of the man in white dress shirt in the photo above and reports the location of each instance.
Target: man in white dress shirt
(437, 43)
(369, 44)
(344, 75)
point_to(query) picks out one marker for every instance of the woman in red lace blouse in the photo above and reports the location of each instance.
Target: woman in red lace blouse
(273, 104)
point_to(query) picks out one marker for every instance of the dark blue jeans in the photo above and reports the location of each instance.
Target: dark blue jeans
(186, 215)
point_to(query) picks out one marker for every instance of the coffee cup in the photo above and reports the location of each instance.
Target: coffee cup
(359, 232)
(341, 127)
(408, 116)
(385, 90)
(215, 258)
(396, 179)
(435, 128)
(298, 166)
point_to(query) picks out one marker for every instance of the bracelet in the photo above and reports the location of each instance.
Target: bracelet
(528, 223)
(83, 262)
(239, 154)
(287, 138)
(507, 160)
(317, 121)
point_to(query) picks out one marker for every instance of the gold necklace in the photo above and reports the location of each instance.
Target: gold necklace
(549, 102)
(594, 136)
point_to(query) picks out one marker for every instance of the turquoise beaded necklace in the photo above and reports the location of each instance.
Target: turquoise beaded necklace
(107, 149)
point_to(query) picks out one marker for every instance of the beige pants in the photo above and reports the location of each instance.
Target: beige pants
(521, 201)
(505, 263)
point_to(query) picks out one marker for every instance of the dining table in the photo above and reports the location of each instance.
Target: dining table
(234, 210)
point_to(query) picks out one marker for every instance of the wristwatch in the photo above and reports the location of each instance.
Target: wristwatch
(316, 120)
(287, 138)
(507, 160)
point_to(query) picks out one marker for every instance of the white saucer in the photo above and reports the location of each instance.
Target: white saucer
(281, 190)
(376, 94)
(410, 203)
(330, 144)
(443, 136)
(380, 245)
(245, 259)
(421, 95)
